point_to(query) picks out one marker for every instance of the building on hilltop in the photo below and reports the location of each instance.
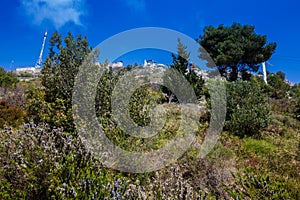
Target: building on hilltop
(115, 66)
(201, 73)
(152, 63)
(28, 70)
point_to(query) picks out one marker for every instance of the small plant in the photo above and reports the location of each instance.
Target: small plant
(260, 147)
(250, 185)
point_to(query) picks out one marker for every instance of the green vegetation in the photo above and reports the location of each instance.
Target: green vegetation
(257, 155)
(10, 115)
(247, 108)
(181, 64)
(25, 75)
(250, 185)
(237, 48)
(59, 71)
(8, 80)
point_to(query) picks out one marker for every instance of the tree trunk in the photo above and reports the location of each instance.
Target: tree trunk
(234, 73)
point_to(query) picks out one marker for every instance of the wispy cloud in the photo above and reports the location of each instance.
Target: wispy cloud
(136, 5)
(59, 12)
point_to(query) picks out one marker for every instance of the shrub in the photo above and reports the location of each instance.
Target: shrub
(55, 114)
(39, 163)
(247, 109)
(295, 91)
(10, 115)
(8, 80)
(278, 88)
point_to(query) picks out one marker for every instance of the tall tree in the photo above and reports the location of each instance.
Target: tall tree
(236, 48)
(181, 60)
(181, 64)
(58, 76)
(62, 65)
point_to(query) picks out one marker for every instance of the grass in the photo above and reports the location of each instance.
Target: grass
(258, 146)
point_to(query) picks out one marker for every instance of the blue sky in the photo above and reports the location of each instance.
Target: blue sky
(23, 23)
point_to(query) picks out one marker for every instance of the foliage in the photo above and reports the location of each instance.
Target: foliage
(105, 87)
(16, 97)
(8, 80)
(258, 186)
(55, 114)
(281, 74)
(2, 71)
(37, 162)
(278, 88)
(181, 63)
(196, 82)
(40, 163)
(295, 92)
(236, 48)
(10, 115)
(62, 64)
(247, 109)
(25, 74)
(139, 106)
(60, 69)
(44, 162)
(259, 147)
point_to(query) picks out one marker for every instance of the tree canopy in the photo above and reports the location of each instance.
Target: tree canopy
(58, 76)
(236, 48)
(181, 63)
(8, 79)
(62, 65)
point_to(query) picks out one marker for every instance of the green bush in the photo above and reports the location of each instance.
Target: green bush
(278, 88)
(55, 114)
(295, 92)
(247, 108)
(8, 80)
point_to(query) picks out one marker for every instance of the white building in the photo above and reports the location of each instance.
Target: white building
(201, 73)
(115, 66)
(152, 63)
(29, 70)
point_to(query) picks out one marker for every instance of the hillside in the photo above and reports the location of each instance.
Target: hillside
(50, 147)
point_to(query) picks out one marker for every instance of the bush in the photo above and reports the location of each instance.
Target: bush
(8, 80)
(55, 114)
(278, 88)
(39, 163)
(247, 109)
(295, 91)
(10, 115)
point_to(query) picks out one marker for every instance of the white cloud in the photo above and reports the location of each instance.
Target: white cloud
(59, 12)
(136, 5)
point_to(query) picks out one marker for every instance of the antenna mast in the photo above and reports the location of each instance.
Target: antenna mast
(39, 62)
(264, 72)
